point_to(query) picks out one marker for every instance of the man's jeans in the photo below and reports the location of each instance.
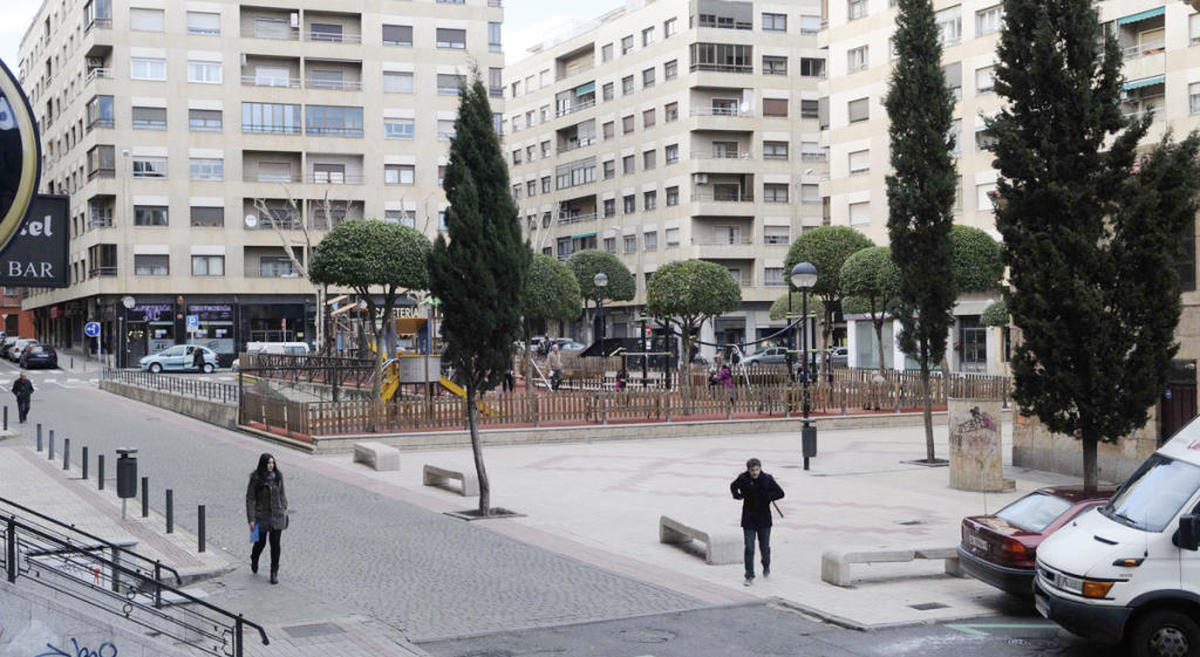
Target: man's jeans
(764, 543)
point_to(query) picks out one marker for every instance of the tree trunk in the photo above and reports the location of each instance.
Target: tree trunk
(685, 371)
(527, 370)
(477, 451)
(826, 337)
(879, 342)
(1091, 468)
(928, 411)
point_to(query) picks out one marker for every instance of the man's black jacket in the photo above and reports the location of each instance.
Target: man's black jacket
(756, 495)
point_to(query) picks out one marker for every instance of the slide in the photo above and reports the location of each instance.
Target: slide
(458, 390)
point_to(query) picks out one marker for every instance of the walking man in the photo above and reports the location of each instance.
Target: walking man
(23, 389)
(757, 490)
(555, 363)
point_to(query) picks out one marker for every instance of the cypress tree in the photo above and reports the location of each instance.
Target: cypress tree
(479, 273)
(921, 191)
(1090, 237)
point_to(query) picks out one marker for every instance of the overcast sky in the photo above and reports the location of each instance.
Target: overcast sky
(526, 22)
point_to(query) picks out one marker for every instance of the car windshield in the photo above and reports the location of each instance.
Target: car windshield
(36, 349)
(1035, 512)
(1154, 494)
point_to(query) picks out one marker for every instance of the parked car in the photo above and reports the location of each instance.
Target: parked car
(179, 359)
(1001, 549)
(840, 357)
(768, 356)
(14, 352)
(39, 355)
(570, 345)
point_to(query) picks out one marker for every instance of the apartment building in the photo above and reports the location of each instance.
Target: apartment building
(675, 129)
(200, 139)
(1160, 40)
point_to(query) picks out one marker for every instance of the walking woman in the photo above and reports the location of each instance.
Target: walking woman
(266, 506)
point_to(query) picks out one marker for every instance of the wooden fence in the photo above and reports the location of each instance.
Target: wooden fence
(848, 393)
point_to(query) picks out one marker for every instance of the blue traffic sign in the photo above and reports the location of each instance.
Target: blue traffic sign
(92, 329)
(193, 321)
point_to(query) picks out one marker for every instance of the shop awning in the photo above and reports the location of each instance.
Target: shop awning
(585, 89)
(1142, 15)
(1144, 82)
(582, 236)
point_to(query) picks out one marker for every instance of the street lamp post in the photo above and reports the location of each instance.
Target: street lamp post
(600, 280)
(804, 277)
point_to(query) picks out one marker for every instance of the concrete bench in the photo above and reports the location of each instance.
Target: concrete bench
(435, 476)
(835, 564)
(377, 455)
(719, 550)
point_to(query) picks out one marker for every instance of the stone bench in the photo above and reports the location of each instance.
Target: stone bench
(719, 550)
(377, 455)
(435, 476)
(835, 564)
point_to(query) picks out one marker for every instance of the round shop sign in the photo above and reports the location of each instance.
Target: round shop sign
(20, 156)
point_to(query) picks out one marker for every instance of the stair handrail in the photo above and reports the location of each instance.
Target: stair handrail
(109, 544)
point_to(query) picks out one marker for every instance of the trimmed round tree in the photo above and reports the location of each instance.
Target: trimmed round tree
(373, 255)
(870, 277)
(826, 248)
(589, 262)
(686, 293)
(995, 314)
(550, 293)
(978, 259)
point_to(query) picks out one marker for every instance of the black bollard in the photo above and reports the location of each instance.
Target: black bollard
(100, 470)
(200, 522)
(84, 462)
(6, 417)
(170, 511)
(145, 497)
(39, 437)
(66, 453)
(50, 455)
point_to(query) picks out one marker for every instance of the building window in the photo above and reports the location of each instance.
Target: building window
(334, 120)
(774, 65)
(628, 204)
(610, 169)
(949, 25)
(608, 130)
(146, 20)
(953, 75)
(860, 161)
(627, 124)
(151, 265)
(516, 156)
(630, 244)
(648, 118)
(650, 200)
(606, 52)
(648, 78)
(397, 35)
(670, 27)
(150, 215)
(610, 208)
(203, 22)
(723, 22)
(204, 168)
(670, 112)
(144, 68)
(810, 193)
(399, 82)
(774, 22)
(672, 197)
(149, 118)
(984, 141)
(860, 213)
(208, 265)
(545, 184)
(671, 153)
(857, 59)
(813, 67)
(985, 79)
(671, 70)
(647, 36)
(275, 267)
(606, 92)
(672, 237)
(100, 112)
(856, 9)
(531, 188)
(775, 150)
(204, 120)
(149, 167)
(988, 20)
(650, 241)
(775, 107)
(626, 85)
(984, 195)
(449, 84)
(773, 277)
(271, 118)
(775, 193)
(204, 72)
(546, 149)
(649, 160)
(207, 217)
(494, 37)
(448, 38)
(399, 174)
(627, 165)
(399, 128)
(610, 244)
(859, 110)
(626, 44)
(723, 57)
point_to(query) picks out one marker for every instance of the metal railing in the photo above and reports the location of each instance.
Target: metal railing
(272, 178)
(95, 73)
(1144, 49)
(328, 37)
(322, 178)
(577, 107)
(723, 197)
(255, 81)
(720, 111)
(80, 571)
(226, 393)
(723, 68)
(727, 155)
(576, 218)
(334, 85)
(95, 272)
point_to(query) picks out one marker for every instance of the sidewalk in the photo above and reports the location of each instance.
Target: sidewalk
(601, 502)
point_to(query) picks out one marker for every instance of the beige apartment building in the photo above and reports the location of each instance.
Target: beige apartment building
(675, 129)
(200, 139)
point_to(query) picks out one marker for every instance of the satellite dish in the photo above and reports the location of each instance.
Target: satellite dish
(128, 301)
(251, 221)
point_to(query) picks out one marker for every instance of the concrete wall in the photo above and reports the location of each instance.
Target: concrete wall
(33, 617)
(1036, 447)
(222, 415)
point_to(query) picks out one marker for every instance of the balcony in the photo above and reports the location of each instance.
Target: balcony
(332, 37)
(94, 74)
(721, 196)
(578, 107)
(334, 178)
(564, 219)
(1144, 105)
(101, 23)
(95, 272)
(334, 85)
(257, 81)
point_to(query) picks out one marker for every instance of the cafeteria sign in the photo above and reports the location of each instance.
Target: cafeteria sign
(20, 157)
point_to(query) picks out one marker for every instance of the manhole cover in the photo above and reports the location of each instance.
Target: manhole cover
(312, 630)
(646, 635)
(927, 606)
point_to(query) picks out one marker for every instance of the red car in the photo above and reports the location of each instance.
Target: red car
(1001, 549)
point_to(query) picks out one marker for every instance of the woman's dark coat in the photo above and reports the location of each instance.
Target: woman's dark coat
(266, 502)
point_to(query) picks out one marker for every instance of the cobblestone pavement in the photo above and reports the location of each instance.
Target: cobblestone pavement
(426, 574)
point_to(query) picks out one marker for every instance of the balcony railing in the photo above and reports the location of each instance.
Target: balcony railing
(94, 73)
(720, 111)
(344, 37)
(254, 81)
(727, 241)
(99, 123)
(100, 222)
(576, 218)
(264, 129)
(723, 197)
(102, 271)
(334, 85)
(1143, 106)
(576, 108)
(291, 35)
(101, 23)
(102, 172)
(271, 178)
(1144, 49)
(322, 178)
(573, 145)
(727, 155)
(811, 156)
(284, 223)
(723, 68)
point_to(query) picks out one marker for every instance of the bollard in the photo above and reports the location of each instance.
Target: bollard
(200, 522)
(6, 417)
(100, 470)
(145, 497)
(66, 453)
(50, 455)
(170, 511)
(85, 462)
(39, 437)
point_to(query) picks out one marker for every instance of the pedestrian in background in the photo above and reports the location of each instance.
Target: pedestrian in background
(198, 358)
(266, 506)
(757, 490)
(725, 378)
(22, 388)
(555, 363)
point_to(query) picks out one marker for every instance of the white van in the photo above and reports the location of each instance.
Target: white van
(1130, 570)
(289, 348)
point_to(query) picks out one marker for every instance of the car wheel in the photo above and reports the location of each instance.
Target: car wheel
(1165, 633)
(156, 367)
(208, 368)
